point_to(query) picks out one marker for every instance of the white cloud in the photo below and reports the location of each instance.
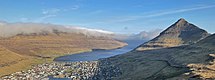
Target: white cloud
(24, 19)
(74, 7)
(50, 11)
(40, 19)
(162, 13)
(179, 11)
(96, 12)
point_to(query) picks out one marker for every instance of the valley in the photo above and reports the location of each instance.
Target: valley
(107, 40)
(21, 51)
(163, 57)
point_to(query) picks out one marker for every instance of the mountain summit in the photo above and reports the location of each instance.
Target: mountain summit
(180, 33)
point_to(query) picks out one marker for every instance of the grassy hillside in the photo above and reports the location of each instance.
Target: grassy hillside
(21, 51)
(181, 52)
(12, 62)
(184, 62)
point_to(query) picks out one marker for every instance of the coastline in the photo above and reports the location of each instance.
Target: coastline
(37, 61)
(91, 50)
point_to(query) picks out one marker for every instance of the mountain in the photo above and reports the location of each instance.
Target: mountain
(144, 35)
(40, 28)
(185, 62)
(26, 44)
(209, 42)
(2, 23)
(180, 33)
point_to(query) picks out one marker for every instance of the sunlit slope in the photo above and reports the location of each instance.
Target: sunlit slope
(21, 51)
(48, 45)
(11, 62)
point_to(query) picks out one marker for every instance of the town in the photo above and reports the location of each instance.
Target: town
(73, 70)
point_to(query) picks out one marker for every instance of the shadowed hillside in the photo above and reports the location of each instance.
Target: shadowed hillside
(185, 62)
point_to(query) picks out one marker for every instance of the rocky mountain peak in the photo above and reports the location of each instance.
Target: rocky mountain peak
(180, 33)
(179, 26)
(181, 21)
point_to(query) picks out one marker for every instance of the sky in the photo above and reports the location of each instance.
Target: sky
(119, 16)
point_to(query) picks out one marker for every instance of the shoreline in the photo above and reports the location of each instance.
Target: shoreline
(90, 50)
(51, 60)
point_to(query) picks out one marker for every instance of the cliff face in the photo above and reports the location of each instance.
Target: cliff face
(185, 62)
(180, 33)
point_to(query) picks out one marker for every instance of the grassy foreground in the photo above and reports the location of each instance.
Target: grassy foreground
(21, 63)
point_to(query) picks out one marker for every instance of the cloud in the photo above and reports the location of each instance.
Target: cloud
(162, 13)
(50, 11)
(13, 29)
(74, 7)
(24, 19)
(40, 19)
(57, 10)
(180, 11)
(96, 12)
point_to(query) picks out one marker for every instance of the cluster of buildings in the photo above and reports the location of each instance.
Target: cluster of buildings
(72, 70)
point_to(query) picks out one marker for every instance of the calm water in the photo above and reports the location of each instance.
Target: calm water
(97, 54)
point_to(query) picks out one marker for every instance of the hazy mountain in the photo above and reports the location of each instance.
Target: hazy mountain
(144, 35)
(180, 33)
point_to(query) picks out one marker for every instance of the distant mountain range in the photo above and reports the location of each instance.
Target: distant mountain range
(12, 29)
(144, 35)
(181, 52)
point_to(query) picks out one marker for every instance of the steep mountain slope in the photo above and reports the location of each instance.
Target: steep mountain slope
(185, 62)
(50, 44)
(28, 44)
(209, 42)
(180, 33)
